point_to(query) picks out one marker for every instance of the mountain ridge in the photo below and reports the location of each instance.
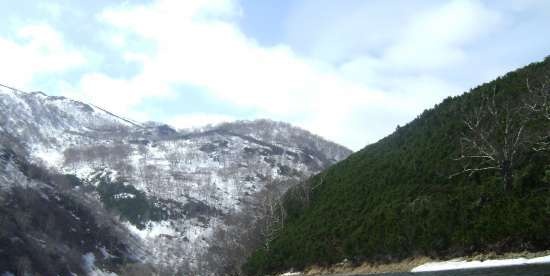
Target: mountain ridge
(180, 193)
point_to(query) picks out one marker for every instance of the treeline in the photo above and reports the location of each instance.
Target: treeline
(470, 175)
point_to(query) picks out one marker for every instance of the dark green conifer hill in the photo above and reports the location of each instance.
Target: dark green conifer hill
(395, 198)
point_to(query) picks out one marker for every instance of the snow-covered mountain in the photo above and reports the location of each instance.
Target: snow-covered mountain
(48, 226)
(190, 196)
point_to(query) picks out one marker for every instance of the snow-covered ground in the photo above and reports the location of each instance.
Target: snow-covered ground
(463, 264)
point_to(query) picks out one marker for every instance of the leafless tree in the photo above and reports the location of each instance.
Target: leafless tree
(271, 212)
(119, 152)
(144, 152)
(494, 137)
(538, 103)
(174, 158)
(72, 157)
(150, 176)
(23, 265)
(539, 97)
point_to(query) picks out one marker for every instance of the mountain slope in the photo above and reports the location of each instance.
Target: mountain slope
(47, 228)
(181, 193)
(396, 199)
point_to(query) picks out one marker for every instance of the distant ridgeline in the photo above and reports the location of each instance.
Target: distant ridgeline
(470, 175)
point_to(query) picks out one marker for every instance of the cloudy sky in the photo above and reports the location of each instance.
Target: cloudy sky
(349, 70)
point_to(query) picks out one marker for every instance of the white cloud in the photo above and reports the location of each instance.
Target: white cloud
(120, 96)
(210, 52)
(53, 9)
(213, 54)
(37, 49)
(351, 75)
(436, 38)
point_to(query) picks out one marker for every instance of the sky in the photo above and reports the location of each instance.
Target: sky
(348, 70)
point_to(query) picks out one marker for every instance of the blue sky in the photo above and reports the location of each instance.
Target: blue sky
(349, 70)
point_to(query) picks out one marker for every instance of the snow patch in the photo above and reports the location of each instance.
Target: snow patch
(124, 196)
(152, 230)
(105, 253)
(462, 264)
(52, 158)
(88, 261)
(88, 264)
(291, 274)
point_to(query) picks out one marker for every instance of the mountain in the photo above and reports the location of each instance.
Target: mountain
(470, 175)
(189, 197)
(48, 227)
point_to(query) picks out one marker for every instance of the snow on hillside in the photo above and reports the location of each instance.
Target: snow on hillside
(46, 227)
(204, 182)
(49, 124)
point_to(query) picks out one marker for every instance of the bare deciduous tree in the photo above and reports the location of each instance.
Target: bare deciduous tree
(271, 212)
(539, 98)
(538, 103)
(494, 136)
(72, 157)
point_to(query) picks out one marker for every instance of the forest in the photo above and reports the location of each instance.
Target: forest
(471, 175)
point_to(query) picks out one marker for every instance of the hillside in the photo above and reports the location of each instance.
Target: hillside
(195, 199)
(404, 196)
(50, 228)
